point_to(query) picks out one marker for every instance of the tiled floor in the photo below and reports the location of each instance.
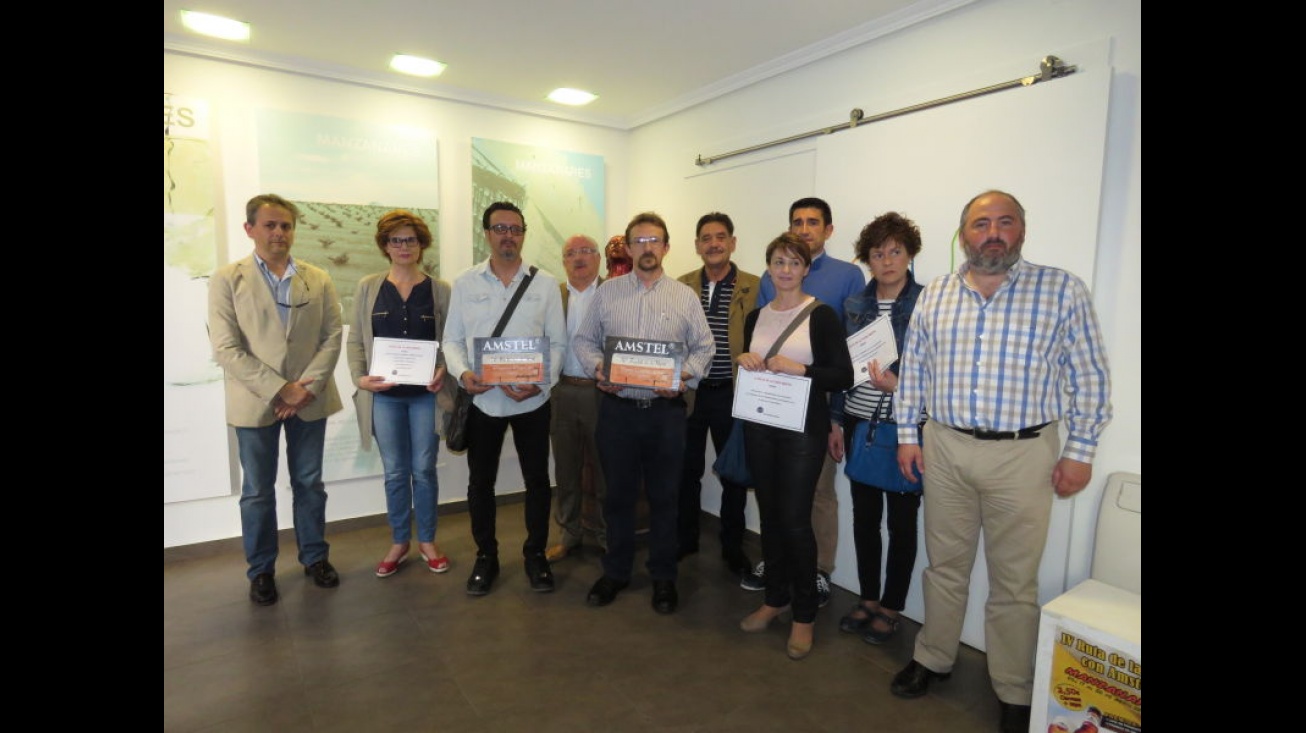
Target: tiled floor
(414, 652)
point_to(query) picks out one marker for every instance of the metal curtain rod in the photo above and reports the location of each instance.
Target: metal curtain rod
(1050, 68)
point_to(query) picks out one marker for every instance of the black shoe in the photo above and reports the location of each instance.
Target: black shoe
(1015, 718)
(324, 576)
(539, 573)
(483, 574)
(665, 598)
(263, 589)
(914, 680)
(737, 561)
(605, 591)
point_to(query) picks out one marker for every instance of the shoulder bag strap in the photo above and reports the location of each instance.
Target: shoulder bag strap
(512, 304)
(795, 323)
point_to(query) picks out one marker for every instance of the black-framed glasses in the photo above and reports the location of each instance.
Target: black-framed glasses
(301, 279)
(512, 229)
(403, 242)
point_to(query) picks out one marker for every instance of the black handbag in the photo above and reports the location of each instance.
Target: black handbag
(731, 463)
(455, 434)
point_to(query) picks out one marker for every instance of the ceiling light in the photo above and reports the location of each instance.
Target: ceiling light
(416, 65)
(574, 97)
(215, 25)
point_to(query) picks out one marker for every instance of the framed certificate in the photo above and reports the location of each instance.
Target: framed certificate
(512, 359)
(643, 363)
(872, 342)
(778, 400)
(403, 361)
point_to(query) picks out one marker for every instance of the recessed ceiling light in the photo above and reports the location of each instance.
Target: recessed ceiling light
(215, 25)
(574, 97)
(416, 65)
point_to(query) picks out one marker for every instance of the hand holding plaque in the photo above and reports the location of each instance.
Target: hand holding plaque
(643, 363)
(512, 360)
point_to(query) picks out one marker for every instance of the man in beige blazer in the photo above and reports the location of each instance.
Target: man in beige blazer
(727, 294)
(275, 328)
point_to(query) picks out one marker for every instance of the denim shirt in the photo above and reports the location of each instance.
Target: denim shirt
(861, 309)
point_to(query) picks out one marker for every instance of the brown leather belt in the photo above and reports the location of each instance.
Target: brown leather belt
(576, 381)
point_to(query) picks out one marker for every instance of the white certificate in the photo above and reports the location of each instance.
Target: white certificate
(873, 342)
(778, 400)
(404, 361)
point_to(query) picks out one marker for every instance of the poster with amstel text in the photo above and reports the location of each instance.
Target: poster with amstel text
(1093, 687)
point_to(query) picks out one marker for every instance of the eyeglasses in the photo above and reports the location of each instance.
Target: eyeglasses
(301, 279)
(515, 230)
(579, 252)
(403, 242)
(646, 241)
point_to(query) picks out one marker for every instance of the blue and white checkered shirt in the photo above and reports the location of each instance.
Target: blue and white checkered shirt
(1031, 354)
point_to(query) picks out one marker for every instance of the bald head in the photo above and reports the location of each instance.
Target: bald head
(580, 257)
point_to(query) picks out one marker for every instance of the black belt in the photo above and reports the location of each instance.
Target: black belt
(715, 383)
(644, 403)
(1022, 434)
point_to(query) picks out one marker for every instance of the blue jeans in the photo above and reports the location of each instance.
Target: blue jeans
(405, 435)
(258, 449)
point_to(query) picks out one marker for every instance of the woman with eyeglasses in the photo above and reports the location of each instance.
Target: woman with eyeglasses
(786, 463)
(402, 303)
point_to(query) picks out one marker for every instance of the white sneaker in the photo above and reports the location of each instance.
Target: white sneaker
(755, 580)
(822, 589)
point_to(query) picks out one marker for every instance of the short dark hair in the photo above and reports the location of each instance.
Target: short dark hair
(648, 217)
(269, 199)
(790, 242)
(718, 217)
(885, 227)
(811, 202)
(500, 206)
(398, 219)
(965, 210)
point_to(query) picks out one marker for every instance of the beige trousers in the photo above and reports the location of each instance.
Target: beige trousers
(1003, 487)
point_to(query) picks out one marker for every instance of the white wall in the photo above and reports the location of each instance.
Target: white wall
(937, 58)
(652, 168)
(235, 93)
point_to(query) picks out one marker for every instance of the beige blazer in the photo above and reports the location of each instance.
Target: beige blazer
(358, 350)
(259, 356)
(747, 286)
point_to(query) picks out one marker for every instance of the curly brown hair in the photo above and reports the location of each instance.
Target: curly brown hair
(885, 227)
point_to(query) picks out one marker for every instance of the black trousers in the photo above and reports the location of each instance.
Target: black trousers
(530, 435)
(641, 443)
(712, 408)
(786, 465)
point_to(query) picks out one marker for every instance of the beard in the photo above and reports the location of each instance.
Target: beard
(994, 264)
(649, 263)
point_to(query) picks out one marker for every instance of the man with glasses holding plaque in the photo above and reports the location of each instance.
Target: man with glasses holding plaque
(504, 284)
(275, 327)
(638, 324)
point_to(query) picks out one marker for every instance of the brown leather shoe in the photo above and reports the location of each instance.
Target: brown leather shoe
(557, 552)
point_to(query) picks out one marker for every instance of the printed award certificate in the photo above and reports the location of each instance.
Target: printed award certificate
(778, 400)
(404, 361)
(512, 359)
(643, 363)
(873, 342)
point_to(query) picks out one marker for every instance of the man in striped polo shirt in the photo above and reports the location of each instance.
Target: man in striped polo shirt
(727, 294)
